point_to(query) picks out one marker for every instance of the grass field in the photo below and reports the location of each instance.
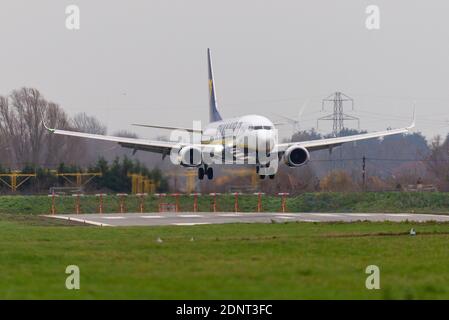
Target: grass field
(247, 261)
(419, 202)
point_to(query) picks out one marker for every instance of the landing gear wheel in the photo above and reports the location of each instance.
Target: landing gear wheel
(272, 176)
(201, 173)
(210, 173)
(262, 177)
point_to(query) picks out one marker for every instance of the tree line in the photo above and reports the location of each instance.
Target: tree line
(114, 176)
(25, 145)
(23, 138)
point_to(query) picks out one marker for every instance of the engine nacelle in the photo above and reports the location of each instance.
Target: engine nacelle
(296, 156)
(190, 157)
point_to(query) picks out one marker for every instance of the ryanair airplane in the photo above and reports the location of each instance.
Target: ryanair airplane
(249, 139)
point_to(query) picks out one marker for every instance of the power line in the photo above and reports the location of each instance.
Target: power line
(381, 159)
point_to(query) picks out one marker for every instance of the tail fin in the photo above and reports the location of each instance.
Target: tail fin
(214, 115)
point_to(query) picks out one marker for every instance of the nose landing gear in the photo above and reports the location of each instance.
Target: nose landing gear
(262, 176)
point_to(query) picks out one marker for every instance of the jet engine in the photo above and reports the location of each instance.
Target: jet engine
(190, 157)
(296, 156)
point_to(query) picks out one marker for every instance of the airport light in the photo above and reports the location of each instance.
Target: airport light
(77, 202)
(53, 202)
(195, 201)
(160, 196)
(142, 200)
(283, 196)
(79, 177)
(176, 196)
(236, 201)
(100, 196)
(14, 176)
(214, 200)
(122, 201)
(259, 200)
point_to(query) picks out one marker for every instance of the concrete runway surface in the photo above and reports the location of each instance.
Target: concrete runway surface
(192, 218)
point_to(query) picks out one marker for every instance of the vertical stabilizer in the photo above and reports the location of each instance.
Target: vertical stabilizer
(214, 115)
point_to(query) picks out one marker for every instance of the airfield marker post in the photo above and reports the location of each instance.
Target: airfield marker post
(176, 196)
(160, 196)
(100, 206)
(236, 201)
(214, 200)
(77, 202)
(283, 196)
(259, 201)
(53, 201)
(53, 206)
(195, 201)
(141, 201)
(122, 201)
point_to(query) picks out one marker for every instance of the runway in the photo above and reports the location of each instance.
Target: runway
(191, 218)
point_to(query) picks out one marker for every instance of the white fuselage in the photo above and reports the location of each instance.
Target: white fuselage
(250, 131)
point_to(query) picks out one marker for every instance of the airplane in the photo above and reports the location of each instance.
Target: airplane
(253, 135)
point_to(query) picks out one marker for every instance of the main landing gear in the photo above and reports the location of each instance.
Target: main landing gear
(208, 171)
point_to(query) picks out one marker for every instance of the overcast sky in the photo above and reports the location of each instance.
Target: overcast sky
(145, 60)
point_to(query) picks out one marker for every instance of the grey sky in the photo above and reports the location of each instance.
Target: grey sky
(145, 61)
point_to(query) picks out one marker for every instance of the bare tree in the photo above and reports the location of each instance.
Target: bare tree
(56, 149)
(92, 148)
(125, 134)
(84, 123)
(338, 181)
(29, 106)
(23, 134)
(438, 162)
(6, 130)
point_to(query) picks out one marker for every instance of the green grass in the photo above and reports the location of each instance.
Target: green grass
(421, 202)
(244, 261)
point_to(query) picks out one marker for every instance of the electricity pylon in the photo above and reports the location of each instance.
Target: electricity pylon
(338, 116)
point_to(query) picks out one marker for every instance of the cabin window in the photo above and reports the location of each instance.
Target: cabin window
(260, 127)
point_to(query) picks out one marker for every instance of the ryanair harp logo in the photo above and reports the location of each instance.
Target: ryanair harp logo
(210, 87)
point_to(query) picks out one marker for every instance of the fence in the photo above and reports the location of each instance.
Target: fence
(146, 203)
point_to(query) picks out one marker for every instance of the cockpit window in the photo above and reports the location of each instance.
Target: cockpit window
(260, 127)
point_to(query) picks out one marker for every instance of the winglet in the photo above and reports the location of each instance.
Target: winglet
(45, 125)
(412, 125)
(49, 129)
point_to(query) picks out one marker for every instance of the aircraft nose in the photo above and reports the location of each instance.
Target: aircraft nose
(266, 140)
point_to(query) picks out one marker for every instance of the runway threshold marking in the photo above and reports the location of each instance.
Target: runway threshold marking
(437, 215)
(112, 218)
(325, 214)
(189, 223)
(398, 215)
(94, 223)
(190, 216)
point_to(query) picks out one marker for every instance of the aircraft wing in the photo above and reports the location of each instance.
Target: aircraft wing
(166, 127)
(329, 143)
(163, 147)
